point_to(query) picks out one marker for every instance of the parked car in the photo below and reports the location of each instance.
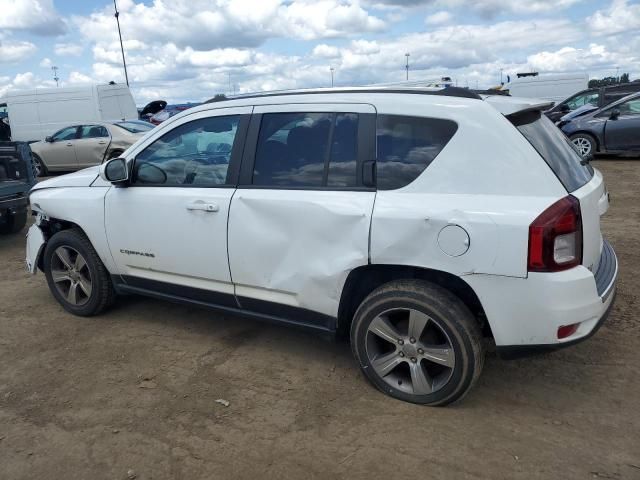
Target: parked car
(597, 97)
(36, 114)
(81, 146)
(415, 221)
(553, 87)
(17, 176)
(612, 129)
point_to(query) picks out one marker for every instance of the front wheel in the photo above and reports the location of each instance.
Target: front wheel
(417, 342)
(585, 144)
(76, 276)
(39, 168)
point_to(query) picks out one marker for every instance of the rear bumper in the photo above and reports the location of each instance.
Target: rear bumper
(526, 315)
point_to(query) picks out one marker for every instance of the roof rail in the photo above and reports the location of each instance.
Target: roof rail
(445, 92)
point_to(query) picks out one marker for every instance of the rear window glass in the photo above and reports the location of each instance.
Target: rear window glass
(555, 148)
(407, 145)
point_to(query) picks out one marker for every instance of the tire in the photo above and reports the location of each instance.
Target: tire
(448, 349)
(92, 297)
(40, 169)
(114, 154)
(14, 223)
(585, 144)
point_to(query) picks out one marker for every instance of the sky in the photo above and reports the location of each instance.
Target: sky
(190, 50)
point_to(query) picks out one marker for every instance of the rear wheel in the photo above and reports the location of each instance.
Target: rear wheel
(39, 168)
(14, 222)
(76, 276)
(417, 342)
(585, 144)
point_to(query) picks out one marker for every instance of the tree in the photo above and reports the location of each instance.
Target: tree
(594, 83)
(624, 78)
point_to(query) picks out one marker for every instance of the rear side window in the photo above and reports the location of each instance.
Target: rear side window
(307, 150)
(555, 148)
(407, 145)
(93, 131)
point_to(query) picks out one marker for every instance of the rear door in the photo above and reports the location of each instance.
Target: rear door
(299, 221)
(623, 133)
(91, 145)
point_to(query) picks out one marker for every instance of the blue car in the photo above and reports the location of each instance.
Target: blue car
(612, 129)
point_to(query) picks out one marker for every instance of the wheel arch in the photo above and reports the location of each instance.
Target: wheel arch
(363, 280)
(49, 228)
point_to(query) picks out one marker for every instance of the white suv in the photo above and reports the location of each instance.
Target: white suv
(418, 221)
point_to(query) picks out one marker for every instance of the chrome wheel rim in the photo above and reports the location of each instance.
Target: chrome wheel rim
(71, 276)
(410, 351)
(37, 167)
(583, 145)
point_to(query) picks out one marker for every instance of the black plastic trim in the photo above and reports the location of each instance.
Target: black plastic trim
(227, 303)
(606, 268)
(513, 352)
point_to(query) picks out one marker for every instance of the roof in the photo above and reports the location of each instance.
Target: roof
(448, 92)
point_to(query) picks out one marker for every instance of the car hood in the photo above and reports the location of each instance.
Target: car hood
(81, 178)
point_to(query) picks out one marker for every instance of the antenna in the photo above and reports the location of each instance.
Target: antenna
(55, 75)
(124, 63)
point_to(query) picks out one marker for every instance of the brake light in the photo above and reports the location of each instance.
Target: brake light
(555, 237)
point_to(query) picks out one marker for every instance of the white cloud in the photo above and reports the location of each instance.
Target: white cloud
(439, 18)
(594, 57)
(620, 17)
(325, 51)
(36, 16)
(77, 78)
(68, 49)
(46, 63)
(15, 51)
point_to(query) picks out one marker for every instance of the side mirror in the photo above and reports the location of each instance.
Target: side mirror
(115, 171)
(564, 108)
(48, 139)
(615, 113)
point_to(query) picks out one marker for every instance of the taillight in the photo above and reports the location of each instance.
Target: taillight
(555, 237)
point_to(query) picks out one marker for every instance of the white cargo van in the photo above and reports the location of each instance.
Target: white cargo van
(35, 114)
(547, 87)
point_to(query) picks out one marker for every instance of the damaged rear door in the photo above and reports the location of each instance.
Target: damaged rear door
(300, 218)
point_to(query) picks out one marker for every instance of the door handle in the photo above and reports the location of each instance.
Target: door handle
(102, 142)
(69, 144)
(205, 207)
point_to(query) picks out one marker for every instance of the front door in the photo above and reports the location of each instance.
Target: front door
(60, 154)
(623, 133)
(167, 231)
(299, 221)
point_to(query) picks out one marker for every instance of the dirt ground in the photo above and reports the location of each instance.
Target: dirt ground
(136, 389)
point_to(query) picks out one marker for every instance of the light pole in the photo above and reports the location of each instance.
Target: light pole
(407, 66)
(55, 74)
(331, 69)
(124, 63)
(501, 82)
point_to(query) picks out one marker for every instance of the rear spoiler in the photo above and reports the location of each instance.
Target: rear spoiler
(529, 114)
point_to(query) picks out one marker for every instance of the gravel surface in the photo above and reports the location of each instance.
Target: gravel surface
(157, 390)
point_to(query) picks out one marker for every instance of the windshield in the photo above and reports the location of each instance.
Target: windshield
(555, 148)
(135, 127)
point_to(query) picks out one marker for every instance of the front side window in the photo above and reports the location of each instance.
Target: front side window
(192, 154)
(93, 131)
(630, 107)
(307, 150)
(407, 145)
(68, 133)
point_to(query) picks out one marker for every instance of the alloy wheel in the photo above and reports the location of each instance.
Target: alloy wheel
(410, 351)
(71, 275)
(584, 145)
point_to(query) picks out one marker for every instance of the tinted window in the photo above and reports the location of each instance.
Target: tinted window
(556, 149)
(68, 133)
(307, 150)
(194, 153)
(93, 131)
(135, 127)
(407, 145)
(583, 99)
